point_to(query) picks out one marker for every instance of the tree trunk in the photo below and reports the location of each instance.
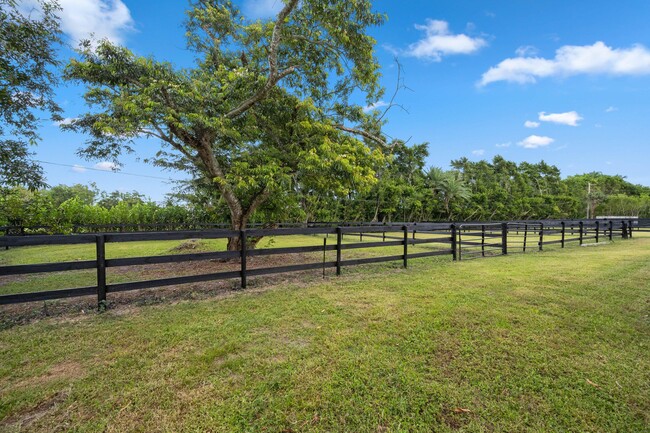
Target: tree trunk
(376, 217)
(237, 222)
(233, 244)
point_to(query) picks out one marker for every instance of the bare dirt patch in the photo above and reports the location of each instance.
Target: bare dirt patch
(24, 419)
(65, 371)
(126, 302)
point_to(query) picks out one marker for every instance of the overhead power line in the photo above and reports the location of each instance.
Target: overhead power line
(105, 171)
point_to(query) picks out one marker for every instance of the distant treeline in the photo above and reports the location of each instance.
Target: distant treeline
(62, 207)
(404, 191)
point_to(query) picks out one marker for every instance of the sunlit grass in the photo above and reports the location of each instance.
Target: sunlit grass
(552, 341)
(71, 279)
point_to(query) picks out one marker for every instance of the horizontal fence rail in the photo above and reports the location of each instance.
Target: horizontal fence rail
(458, 241)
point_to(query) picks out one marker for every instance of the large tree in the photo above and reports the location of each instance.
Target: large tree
(265, 112)
(28, 38)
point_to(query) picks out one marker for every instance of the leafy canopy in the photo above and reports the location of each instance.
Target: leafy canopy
(265, 111)
(27, 76)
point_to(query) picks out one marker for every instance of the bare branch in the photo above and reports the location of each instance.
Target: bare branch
(398, 86)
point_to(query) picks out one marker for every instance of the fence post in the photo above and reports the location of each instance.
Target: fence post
(581, 226)
(453, 242)
(324, 250)
(339, 238)
(525, 235)
(597, 231)
(563, 232)
(406, 246)
(482, 240)
(541, 236)
(504, 238)
(611, 230)
(244, 256)
(624, 229)
(100, 247)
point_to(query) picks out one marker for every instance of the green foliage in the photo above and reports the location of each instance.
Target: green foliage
(595, 189)
(27, 77)
(60, 193)
(19, 206)
(624, 205)
(264, 114)
(22, 207)
(482, 190)
(110, 200)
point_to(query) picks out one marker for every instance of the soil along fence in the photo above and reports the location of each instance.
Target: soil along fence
(457, 241)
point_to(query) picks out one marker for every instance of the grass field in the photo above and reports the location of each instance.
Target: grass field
(552, 341)
(70, 279)
(70, 253)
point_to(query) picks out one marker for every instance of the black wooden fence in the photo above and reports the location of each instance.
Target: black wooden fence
(455, 240)
(101, 263)
(489, 239)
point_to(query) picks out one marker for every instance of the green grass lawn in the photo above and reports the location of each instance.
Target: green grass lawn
(71, 279)
(552, 341)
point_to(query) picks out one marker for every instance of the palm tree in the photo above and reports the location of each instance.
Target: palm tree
(449, 186)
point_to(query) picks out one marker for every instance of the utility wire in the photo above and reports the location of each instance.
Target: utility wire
(105, 171)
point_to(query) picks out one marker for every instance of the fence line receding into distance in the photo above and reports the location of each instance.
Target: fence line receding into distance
(458, 241)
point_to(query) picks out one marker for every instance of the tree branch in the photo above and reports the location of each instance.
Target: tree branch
(258, 199)
(274, 74)
(398, 86)
(362, 133)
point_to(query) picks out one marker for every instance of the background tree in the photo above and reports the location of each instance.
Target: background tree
(27, 77)
(60, 193)
(595, 188)
(267, 107)
(450, 188)
(112, 199)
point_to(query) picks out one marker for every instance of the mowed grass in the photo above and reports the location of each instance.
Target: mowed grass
(68, 253)
(552, 341)
(71, 253)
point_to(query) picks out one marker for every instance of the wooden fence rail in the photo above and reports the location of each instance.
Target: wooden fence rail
(458, 241)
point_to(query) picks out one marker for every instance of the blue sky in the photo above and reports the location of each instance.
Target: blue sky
(567, 82)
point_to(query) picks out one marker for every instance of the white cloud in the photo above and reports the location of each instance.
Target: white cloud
(502, 145)
(535, 141)
(572, 60)
(531, 124)
(439, 41)
(109, 19)
(478, 152)
(79, 168)
(570, 118)
(391, 49)
(260, 9)
(375, 106)
(66, 121)
(526, 51)
(105, 165)
(611, 109)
